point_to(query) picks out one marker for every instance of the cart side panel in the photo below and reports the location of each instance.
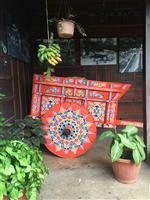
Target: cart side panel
(36, 96)
(47, 102)
(111, 112)
(97, 109)
(77, 101)
(35, 105)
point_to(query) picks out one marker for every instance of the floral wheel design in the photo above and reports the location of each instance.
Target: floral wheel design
(70, 128)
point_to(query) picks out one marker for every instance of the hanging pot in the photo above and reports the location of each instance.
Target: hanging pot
(65, 28)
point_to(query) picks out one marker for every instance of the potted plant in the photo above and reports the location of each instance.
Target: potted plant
(66, 26)
(22, 170)
(126, 152)
(22, 167)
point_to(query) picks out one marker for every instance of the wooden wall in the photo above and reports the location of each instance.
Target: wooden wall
(15, 79)
(131, 104)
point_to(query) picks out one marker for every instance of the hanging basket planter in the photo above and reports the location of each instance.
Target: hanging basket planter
(65, 28)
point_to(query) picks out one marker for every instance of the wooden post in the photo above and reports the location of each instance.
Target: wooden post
(147, 42)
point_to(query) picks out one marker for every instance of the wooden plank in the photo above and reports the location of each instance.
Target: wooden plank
(147, 137)
(130, 110)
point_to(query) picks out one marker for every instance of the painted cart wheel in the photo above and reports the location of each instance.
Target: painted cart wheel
(70, 128)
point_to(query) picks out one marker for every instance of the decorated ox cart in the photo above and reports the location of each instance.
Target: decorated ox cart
(71, 109)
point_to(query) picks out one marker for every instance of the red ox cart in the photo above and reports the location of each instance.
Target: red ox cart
(71, 109)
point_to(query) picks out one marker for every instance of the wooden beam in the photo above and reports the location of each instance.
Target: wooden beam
(147, 138)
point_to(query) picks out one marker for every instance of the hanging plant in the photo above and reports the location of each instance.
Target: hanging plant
(65, 21)
(66, 26)
(50, 53)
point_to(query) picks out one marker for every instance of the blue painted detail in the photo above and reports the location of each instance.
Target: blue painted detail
(63, 90)
(86, 92)
(110, 94)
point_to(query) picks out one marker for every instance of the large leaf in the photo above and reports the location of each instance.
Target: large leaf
(35, 141)
(31, 194)
(24, 162)
(2, 190)
(140, 141)
(126, 142)
(2, 118)
(20, 176)
(20, 124)
(136, 156)
(106, 134)
(8, 169)
(9, 150)
(141, 150)
(130, 130)
(116, 151)
(14, 194)
(2, 142)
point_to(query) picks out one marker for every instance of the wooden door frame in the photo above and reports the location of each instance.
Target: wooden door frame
(147, 78)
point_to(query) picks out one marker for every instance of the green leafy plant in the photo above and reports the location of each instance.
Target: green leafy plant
(125, 144)
(28, 130)
(22, 169)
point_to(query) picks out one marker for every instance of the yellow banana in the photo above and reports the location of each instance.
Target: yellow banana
(53, 60)
(58, 55)
(50, 62)
(53, 64)
(58, 58)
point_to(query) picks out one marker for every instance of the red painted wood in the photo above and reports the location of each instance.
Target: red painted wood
(75, 118)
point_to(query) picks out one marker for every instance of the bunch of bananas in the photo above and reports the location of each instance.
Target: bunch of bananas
(50, 53)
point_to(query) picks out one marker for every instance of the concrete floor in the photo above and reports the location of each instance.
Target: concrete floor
(90, 177)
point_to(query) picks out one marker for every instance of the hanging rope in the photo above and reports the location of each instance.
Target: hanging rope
(59, 9)
(64, 9)
(48, 37)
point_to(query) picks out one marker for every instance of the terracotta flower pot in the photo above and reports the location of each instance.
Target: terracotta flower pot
(126, 171)
(21, 198)
(65, 28)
